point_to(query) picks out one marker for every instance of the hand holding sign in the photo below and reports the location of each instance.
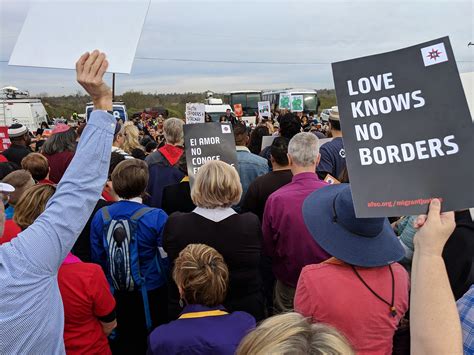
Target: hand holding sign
(90, 70)
(396, 170)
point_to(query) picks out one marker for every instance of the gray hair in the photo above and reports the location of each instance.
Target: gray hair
(173, 131)
(60, 142)
(304, 149)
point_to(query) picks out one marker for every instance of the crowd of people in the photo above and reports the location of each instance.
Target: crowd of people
(106, 248)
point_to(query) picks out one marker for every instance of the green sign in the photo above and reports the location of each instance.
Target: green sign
(297, 103)
(284, 101)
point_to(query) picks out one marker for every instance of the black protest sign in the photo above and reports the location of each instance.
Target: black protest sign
(407, 129)
(208, 141)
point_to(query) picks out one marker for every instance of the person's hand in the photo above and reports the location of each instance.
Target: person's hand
(434, 230)
(90, 70)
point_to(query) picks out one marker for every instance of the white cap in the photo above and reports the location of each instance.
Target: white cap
(6, 187)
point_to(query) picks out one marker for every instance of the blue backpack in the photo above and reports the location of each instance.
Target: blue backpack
(121, 245)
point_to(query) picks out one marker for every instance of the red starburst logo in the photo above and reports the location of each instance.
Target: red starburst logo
(434, 54)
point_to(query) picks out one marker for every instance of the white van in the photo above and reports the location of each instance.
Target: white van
(215, 108)
(28, 112)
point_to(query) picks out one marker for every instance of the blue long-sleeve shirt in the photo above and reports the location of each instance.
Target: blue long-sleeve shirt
(31, 309)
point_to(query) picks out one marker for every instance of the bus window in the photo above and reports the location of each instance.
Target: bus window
(310, 102)
(238, 99)
(252, 102)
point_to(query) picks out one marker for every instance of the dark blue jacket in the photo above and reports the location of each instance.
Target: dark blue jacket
(161, 174)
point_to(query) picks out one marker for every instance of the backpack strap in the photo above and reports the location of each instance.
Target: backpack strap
(106, 214)
(146, 305)
(140, 213)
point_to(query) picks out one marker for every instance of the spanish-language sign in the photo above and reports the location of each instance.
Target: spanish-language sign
(296, 103)
(238, 110)
(264, 109)
(195, 113)
(408, 133)
(284, 101)
(209, 141)
(78, 28)
(4, 140)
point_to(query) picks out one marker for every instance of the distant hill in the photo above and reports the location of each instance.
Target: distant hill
(136, 101)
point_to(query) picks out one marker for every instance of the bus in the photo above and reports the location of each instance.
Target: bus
(310, 98)
(248, 99)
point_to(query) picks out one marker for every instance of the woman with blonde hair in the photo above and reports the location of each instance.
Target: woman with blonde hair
(89, 307)
(204, 326)
(236, 236)
(131, 143)
(291, 333)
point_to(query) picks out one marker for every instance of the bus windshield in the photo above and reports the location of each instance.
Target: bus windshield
(249, 101)
(310, 102)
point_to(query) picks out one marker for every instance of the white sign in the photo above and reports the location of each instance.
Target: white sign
(56, 33)
(267, 141)
(467, 80)
(195, 113)
(264, 109)
(297, 103)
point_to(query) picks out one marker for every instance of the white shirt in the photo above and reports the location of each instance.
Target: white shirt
(214, 214)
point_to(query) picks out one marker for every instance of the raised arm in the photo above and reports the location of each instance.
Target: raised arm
(45, 244)
(434, 321)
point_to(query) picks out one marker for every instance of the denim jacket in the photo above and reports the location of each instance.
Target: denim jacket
(250, 166)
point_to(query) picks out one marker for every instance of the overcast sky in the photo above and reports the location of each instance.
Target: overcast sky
(234, 30)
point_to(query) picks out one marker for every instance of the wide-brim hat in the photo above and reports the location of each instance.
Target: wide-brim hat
(367, 242)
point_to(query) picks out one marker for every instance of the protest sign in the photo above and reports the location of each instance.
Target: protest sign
(467, 80)
(264, 109)
(407, 130)
(267, 141)
(331, 180)
(208, 141)
(296, 103)
(284, 101)
(4, 140)
(195, 113)
(56, 33)
(238, 111)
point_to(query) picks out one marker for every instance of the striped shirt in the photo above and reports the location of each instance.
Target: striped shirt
(31, 309)
(466, 313)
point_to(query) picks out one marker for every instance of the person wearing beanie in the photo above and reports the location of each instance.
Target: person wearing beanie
(20, 148)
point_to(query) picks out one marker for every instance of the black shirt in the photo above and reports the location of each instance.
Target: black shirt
(261, 188)
(177, 198)
(82, 247)
(16, 153)
(458, 254)
(238, 238)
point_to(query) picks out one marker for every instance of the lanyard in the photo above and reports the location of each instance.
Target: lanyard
(213, 313)
(393, 310)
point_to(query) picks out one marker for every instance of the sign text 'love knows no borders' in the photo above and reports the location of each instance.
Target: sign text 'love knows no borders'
(408, 133)
(208, 141)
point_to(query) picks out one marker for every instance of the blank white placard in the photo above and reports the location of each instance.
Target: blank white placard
(56, 33)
